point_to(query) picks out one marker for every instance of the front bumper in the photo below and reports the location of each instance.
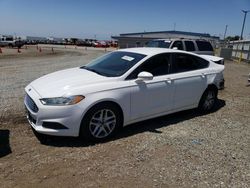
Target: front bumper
(53, 120)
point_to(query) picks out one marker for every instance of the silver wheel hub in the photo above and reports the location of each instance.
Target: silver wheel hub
(102, 123)
(209, 101)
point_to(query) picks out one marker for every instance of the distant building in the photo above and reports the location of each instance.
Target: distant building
(129, 40)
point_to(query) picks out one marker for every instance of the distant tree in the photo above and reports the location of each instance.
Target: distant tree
(232, 38)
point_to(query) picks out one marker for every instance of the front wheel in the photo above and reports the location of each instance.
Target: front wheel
(208, 100)
(101, 122)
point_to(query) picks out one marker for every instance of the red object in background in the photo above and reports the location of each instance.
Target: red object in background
(97, 45)
(114, 45)
(18, 50)
(101, 44)
(40, 49)
(1, 51)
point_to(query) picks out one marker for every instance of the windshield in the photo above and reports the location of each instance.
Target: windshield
(114, 64)
(159, 43)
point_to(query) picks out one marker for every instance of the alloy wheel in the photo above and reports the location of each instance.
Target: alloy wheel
(102, 123)
(209, 100)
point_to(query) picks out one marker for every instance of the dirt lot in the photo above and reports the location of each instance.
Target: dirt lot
(179, 150)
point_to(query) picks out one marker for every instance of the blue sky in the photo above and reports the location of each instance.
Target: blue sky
(103, 18)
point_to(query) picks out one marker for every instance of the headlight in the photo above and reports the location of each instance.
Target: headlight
(60, 101)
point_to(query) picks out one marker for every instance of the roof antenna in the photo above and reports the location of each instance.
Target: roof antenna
(174, 26)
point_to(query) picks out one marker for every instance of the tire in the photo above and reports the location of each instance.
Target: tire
(208, 100)
(95, 128)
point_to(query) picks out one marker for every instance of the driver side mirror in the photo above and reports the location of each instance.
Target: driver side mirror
(145, 76)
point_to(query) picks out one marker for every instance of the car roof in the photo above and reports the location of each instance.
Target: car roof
(152, 51)
(181, 39)
(163, 39)
(174, 39)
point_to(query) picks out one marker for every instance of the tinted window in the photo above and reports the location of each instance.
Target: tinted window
(204, 46)
(9, 38)
(178, 44)
(159, 43)
(157, 65)
(189, 46)
(114, 64)
(185, 62)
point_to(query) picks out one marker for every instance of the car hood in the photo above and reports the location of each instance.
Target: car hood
(61, 83)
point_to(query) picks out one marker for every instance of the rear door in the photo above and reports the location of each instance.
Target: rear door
(188, 75)
(189, 46)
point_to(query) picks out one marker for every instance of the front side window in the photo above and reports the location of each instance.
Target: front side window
(178, 44)
(186, 62)
(114, 64)
(189, 46)
(157, 65)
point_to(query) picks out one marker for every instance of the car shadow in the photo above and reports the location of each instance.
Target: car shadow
(151, 125)
(4, 143)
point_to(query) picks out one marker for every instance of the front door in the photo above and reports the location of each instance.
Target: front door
(154, 96)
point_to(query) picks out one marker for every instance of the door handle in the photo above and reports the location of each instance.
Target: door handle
(203, 75)
(168, 80)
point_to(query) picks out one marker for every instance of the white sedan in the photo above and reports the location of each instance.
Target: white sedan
(120, 88)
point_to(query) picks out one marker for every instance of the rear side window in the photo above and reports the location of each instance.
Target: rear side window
(178, 44)
(186, 62)
(189, 46)
(204, 46)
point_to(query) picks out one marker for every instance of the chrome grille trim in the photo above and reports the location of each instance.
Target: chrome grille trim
(30, 103)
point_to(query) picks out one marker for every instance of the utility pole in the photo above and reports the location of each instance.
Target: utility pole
(241, 35)
(225, 33)
(243, 25)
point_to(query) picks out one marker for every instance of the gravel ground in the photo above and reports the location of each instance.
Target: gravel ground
(19, 69)
(180, 150)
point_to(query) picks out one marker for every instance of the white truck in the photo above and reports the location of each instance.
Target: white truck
(197, 46)
(10, 42)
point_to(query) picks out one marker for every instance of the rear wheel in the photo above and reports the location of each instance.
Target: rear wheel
(208, 100)
(101, 122)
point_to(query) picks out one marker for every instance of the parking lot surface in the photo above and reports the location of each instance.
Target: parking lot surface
(184, 149)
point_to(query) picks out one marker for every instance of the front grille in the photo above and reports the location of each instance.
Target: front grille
(30, 103)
